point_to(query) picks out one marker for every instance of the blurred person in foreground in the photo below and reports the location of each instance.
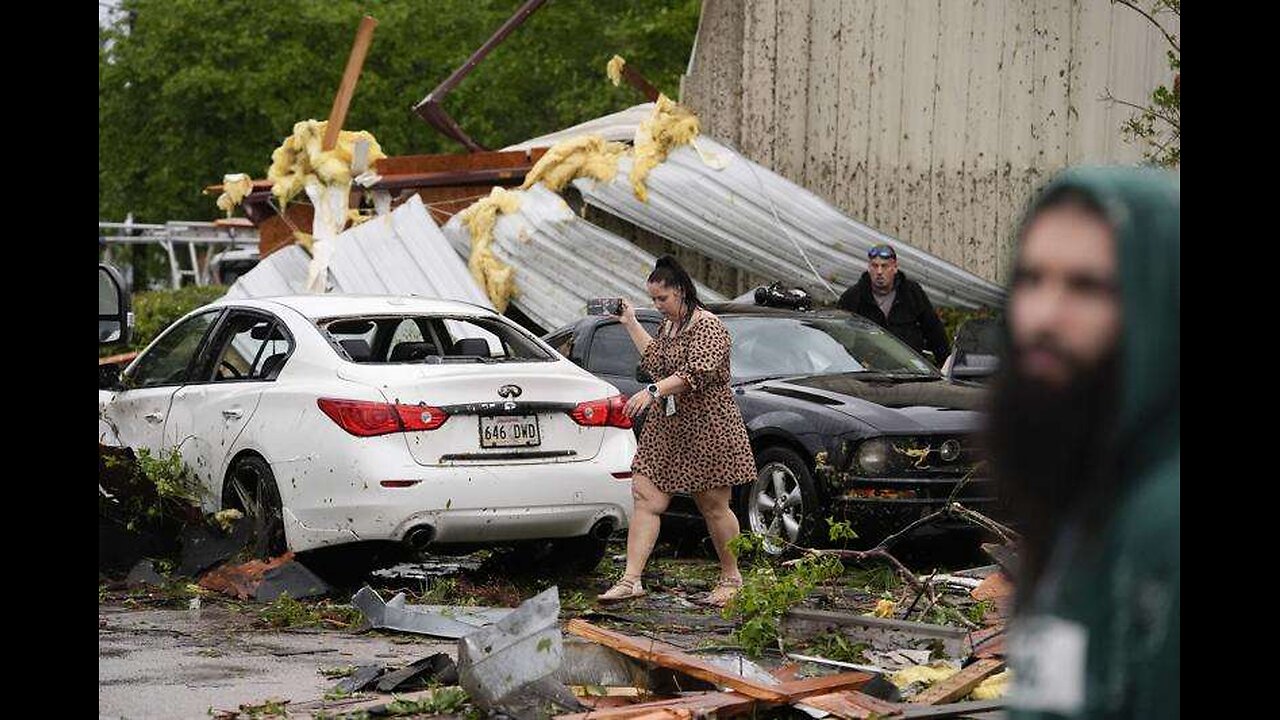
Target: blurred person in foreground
(1084, 440)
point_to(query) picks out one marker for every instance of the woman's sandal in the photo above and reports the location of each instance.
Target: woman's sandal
(723, 592)
(625, 589)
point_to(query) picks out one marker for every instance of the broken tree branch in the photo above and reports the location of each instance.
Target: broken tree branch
(1152, 20)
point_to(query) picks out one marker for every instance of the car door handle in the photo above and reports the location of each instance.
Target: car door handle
(232, 414)
(154, 417)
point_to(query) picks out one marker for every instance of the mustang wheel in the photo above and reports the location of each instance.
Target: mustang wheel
(782, 500)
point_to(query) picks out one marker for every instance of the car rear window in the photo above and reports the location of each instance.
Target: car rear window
(398, 339)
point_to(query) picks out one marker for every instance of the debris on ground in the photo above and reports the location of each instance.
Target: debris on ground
(445, 622)
(439, 668)
(144, 573)
(523, 647)
(207, 545)
(265, 580)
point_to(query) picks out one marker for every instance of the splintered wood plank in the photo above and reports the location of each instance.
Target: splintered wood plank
(960, 684)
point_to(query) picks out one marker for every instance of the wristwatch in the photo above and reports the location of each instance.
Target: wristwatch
(653, 390)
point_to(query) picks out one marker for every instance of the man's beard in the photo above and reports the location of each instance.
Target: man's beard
(1050, 448)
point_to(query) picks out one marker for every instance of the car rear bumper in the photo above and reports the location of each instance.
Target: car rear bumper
(476, 504)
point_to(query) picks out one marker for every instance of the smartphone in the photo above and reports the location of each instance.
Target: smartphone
(604, 306)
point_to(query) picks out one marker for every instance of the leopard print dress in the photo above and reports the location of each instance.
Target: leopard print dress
(704, 445)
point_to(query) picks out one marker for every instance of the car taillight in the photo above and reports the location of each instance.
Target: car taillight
(366, 419)
(421, 417)
(606, 412)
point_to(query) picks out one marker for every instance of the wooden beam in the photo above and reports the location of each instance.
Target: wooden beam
(825, 684)
(355, 62)
(669, 656)
(722, 704)
(853, 705)
(960, 684)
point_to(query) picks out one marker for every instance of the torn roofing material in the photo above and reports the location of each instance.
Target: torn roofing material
(401, 253)
(395, 614)
(562, 260)
(614, 126)
(748, 216)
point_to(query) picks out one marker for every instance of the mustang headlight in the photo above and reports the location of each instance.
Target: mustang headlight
(873, 456)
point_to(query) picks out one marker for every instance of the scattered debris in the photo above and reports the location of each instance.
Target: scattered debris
(803, 622)
(265, 580)
(439, 667)
(428, 571)
(898, 658)
(960, 684)
(205, 546)
(993, 687)
(914, 679)
(144, 573)
(837, 663)
(364, 676)
(395, 614)
(523, 647)
(592, 665)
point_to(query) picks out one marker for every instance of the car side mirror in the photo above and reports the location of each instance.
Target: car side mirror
(643, 376)
(115, 321)
(932, 358)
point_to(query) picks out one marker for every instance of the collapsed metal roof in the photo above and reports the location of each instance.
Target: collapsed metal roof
(562, 260)
(401, 253)
(748, 216)
(614, 126)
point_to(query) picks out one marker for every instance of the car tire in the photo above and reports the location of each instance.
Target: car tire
(796, 518)
(253, 491)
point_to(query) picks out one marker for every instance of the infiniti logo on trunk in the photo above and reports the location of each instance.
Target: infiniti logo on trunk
(509, 391)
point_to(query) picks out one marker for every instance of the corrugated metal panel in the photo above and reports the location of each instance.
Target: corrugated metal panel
(948, 114)
(283, 272)
(403, 253)
(617, 126)
(561, 260)
(748, 216)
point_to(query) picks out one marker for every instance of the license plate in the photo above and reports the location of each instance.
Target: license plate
(509, 431)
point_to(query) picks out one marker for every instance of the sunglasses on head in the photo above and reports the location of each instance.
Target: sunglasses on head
(881, 251)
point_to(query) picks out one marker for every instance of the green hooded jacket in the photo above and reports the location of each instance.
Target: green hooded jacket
(1100, 637)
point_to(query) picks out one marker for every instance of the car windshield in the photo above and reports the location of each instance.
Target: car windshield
(782, 346)
(385, 339)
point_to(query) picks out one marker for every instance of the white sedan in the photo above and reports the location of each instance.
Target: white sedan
(332, 419)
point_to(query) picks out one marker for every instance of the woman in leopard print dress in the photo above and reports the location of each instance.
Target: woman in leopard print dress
(693, 440)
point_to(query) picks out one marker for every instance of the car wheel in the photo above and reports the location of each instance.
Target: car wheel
(252, 490)
(782, 501)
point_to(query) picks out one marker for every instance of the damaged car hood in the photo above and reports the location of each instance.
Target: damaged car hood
(892, 406)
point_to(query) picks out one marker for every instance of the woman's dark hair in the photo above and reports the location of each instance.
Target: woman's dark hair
(669, 273)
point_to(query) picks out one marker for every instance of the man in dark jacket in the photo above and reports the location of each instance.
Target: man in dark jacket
(884, 295)
(1085, 445)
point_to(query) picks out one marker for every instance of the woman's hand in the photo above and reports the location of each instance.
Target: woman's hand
(628, 316)
(638, 403)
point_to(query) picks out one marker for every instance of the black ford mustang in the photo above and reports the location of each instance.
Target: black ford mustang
(845, 420)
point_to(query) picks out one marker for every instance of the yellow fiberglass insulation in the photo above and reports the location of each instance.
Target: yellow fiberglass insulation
(670, 126)
(614, 69)
(234, 187)
(300, 160)
(994, 687)
(582, 156)
(884, 608)
(927, 674)
(496, 277)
